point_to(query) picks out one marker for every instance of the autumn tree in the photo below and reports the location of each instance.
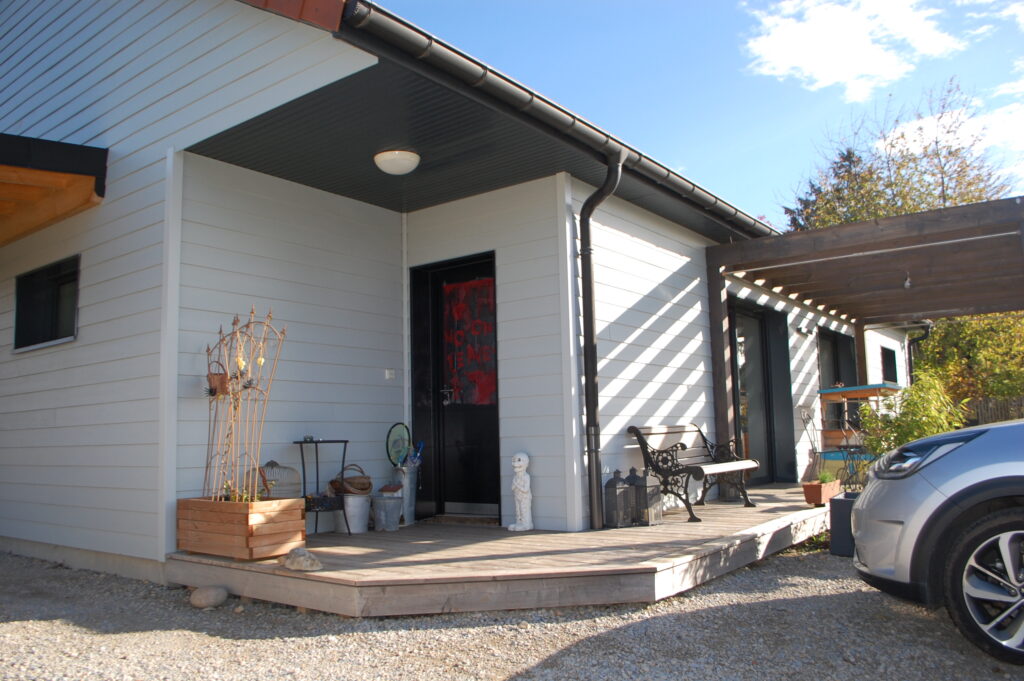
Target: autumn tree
(933, 157)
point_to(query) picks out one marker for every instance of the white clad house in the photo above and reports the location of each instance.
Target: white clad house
(228, 153)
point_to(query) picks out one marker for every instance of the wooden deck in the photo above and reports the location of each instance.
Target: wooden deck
(433, 568)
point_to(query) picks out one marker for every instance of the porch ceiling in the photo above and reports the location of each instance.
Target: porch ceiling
(327, 139)
(943, 263)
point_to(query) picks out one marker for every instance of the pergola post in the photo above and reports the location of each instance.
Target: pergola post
(862, 353)
(721, 353)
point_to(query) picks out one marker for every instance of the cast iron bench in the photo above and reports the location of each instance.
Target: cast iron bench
(704, 461)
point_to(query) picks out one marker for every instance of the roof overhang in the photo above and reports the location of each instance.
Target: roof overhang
(475, 129)
(943, 263)
(42, 182)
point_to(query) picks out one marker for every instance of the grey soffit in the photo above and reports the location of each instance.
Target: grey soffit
(327, 138)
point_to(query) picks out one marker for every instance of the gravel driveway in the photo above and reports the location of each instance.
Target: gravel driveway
(792, 616)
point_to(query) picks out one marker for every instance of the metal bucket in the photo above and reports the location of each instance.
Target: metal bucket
(386, 512)
(406, 476)
(357, 510)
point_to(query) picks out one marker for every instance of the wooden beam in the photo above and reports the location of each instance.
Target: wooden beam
(77, 196)
(851, 238)
(24, 193)
(862, 352)
(975, 238)
(721, 355)
(35, 178)
(845, 292)
(940, 312)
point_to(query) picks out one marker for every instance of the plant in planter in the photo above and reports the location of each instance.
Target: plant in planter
(233, 518)
(818, 493)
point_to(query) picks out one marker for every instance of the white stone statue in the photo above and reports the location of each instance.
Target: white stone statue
(521, 492)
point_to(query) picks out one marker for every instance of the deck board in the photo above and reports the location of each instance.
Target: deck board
(432, 568)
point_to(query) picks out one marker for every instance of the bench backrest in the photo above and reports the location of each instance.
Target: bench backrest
(667, 447)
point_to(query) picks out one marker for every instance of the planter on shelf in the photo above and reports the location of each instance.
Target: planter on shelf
(818, 493)
(245, 530)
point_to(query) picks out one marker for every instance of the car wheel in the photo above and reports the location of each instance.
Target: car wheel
(985, 584)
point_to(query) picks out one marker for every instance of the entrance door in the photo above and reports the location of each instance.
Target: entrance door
(455, 385)
(752, 395)
(763, 396)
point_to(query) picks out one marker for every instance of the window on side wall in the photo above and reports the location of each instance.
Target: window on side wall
(889, 365)
(46, 304)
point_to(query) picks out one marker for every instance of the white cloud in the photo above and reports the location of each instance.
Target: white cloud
(1001, 133)
(1014, 87)
(858, 44)
(1015, 12)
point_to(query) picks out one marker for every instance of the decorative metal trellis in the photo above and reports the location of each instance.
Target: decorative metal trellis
(240, 370)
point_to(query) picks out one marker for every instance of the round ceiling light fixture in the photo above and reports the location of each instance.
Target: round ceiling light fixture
(397, 161)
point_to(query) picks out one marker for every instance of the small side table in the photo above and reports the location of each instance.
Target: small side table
(316, 454)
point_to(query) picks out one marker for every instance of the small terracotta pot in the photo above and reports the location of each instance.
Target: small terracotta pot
(818, 493)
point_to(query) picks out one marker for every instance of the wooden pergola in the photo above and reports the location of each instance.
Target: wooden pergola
(943, 263)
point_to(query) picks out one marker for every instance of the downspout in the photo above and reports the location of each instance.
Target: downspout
(590, 396)
(927, 325)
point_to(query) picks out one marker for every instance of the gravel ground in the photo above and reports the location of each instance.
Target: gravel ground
(791, 616)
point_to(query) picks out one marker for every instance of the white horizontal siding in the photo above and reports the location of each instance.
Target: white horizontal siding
(138, 77)
(330, 268)
(652, 328)
(521, 225)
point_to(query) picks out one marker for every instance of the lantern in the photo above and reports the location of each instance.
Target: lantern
(618, 502)
(646, 498)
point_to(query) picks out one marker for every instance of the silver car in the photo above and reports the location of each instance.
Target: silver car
(941, 521)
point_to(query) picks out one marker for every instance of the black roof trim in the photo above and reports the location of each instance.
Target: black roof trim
(61, 157)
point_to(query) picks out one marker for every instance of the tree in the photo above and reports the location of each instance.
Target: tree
(899, 164)
(932, 158)
(981, 356)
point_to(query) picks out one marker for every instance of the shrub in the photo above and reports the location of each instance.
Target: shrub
(925, 408)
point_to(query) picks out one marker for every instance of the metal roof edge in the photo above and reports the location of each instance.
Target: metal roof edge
(428, 49)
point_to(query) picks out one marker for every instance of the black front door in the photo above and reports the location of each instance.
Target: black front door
(455, 381)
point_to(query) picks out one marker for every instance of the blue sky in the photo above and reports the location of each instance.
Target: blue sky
(740, 97)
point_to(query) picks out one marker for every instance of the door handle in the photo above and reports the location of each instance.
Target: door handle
(446, 395)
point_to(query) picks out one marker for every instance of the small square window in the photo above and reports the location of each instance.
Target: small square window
(46, 304)
(889, 365)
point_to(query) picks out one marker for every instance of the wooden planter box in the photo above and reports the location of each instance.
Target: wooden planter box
(818, 493)
(244, 530)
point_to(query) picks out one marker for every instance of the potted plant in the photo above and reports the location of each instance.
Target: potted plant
(819, 492)
(234, 518)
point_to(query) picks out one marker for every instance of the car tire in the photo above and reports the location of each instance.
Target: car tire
(984, 598)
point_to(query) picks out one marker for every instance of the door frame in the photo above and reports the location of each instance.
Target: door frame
(426, 350)
(778, 388)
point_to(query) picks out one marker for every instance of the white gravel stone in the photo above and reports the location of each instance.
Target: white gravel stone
(789, 617)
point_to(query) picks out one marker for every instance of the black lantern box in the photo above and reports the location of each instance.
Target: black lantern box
(635, 500)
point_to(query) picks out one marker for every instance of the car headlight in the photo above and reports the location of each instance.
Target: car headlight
(908, 459)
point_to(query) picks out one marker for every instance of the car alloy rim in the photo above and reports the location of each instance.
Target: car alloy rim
(993, 585)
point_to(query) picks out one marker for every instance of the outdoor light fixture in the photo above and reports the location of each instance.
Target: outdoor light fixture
(397, 161)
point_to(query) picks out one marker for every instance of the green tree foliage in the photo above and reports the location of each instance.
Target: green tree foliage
(931, 158)
(923, 409)
(979, 356)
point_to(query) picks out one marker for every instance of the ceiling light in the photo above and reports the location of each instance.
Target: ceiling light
(397, 161)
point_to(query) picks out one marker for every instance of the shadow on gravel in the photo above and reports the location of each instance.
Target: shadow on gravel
(844, 636)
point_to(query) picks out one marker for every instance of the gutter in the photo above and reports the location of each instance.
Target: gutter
(424, 48)
(590, 388)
